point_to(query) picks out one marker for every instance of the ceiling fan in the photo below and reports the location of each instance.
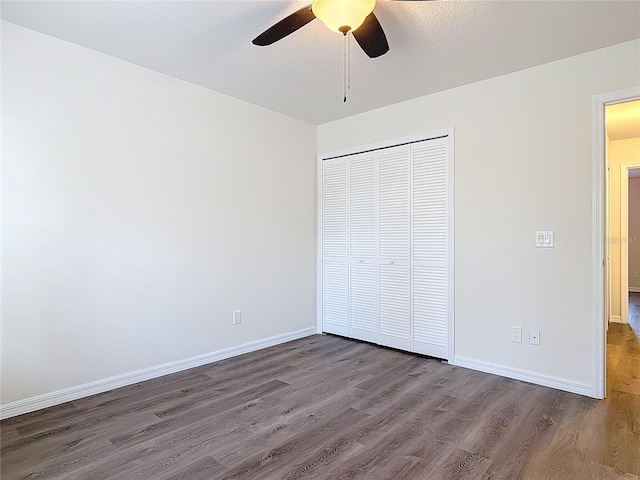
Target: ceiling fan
(343, 16)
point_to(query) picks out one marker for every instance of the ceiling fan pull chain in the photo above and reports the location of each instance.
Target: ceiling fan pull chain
(349, 62)
(344, 67)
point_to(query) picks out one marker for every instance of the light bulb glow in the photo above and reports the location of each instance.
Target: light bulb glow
(342, 13)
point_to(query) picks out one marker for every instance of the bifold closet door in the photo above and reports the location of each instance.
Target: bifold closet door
(335, 277)
(430, 247)
(386, 272)
(363, 284)
(393, 246)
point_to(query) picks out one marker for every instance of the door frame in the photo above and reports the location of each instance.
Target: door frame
(449, 132)
(624, 238)
(599, 197)
(607, 246)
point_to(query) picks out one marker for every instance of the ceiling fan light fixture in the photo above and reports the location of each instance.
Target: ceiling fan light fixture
(338, 14)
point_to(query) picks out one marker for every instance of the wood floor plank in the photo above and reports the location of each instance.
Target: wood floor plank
(596, 471)
(77, 428)
(173, 450)
(40, 415)
(205, 468)
(606, 432)
(58, 466)
(269, 462)
(155, 386)
(183, 415)
(462, 464)
(494, 427)
(384, 456)
(8, 434)
(306, 419)
(527, 441)
(141, 401)
(292, 407)
(401, 437)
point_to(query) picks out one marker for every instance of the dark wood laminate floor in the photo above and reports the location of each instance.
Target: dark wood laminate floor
(329, 408)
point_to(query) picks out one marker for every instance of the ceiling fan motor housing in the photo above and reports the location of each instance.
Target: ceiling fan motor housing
(342, 15)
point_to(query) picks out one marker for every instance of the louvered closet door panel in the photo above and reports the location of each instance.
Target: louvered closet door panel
(430, 329)
(393, 184)
(363, 298)
(335, 275)
(394, 306)
(362, 206)
(430, 253)
(393, 269)
(335, 301)
(363, 302)
(334, 209)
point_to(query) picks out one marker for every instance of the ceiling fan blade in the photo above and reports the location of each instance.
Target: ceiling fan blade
(285, 27)
(371, 37)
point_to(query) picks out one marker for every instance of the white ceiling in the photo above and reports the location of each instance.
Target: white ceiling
(434, 45)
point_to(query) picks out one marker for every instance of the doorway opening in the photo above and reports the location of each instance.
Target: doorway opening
(622, 248)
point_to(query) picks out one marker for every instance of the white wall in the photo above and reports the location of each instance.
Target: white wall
(523, 162)
(138, 211)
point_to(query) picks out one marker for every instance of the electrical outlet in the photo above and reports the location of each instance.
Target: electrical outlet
(636, 275)
(534, 337)
(516, 334)
(237, 317)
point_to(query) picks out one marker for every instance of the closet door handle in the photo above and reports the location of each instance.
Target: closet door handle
(362, 260)
(392, 262)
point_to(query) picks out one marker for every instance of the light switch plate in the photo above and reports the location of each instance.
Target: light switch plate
(516, 334)
(544, 239)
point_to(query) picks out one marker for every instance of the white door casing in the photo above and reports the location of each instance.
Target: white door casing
(598, 232)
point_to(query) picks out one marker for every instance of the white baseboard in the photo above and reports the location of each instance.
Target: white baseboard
(615, 319)
(634, 289)
(525, 375)
(27, 405)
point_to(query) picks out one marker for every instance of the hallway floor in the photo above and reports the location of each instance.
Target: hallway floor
(623, 353)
